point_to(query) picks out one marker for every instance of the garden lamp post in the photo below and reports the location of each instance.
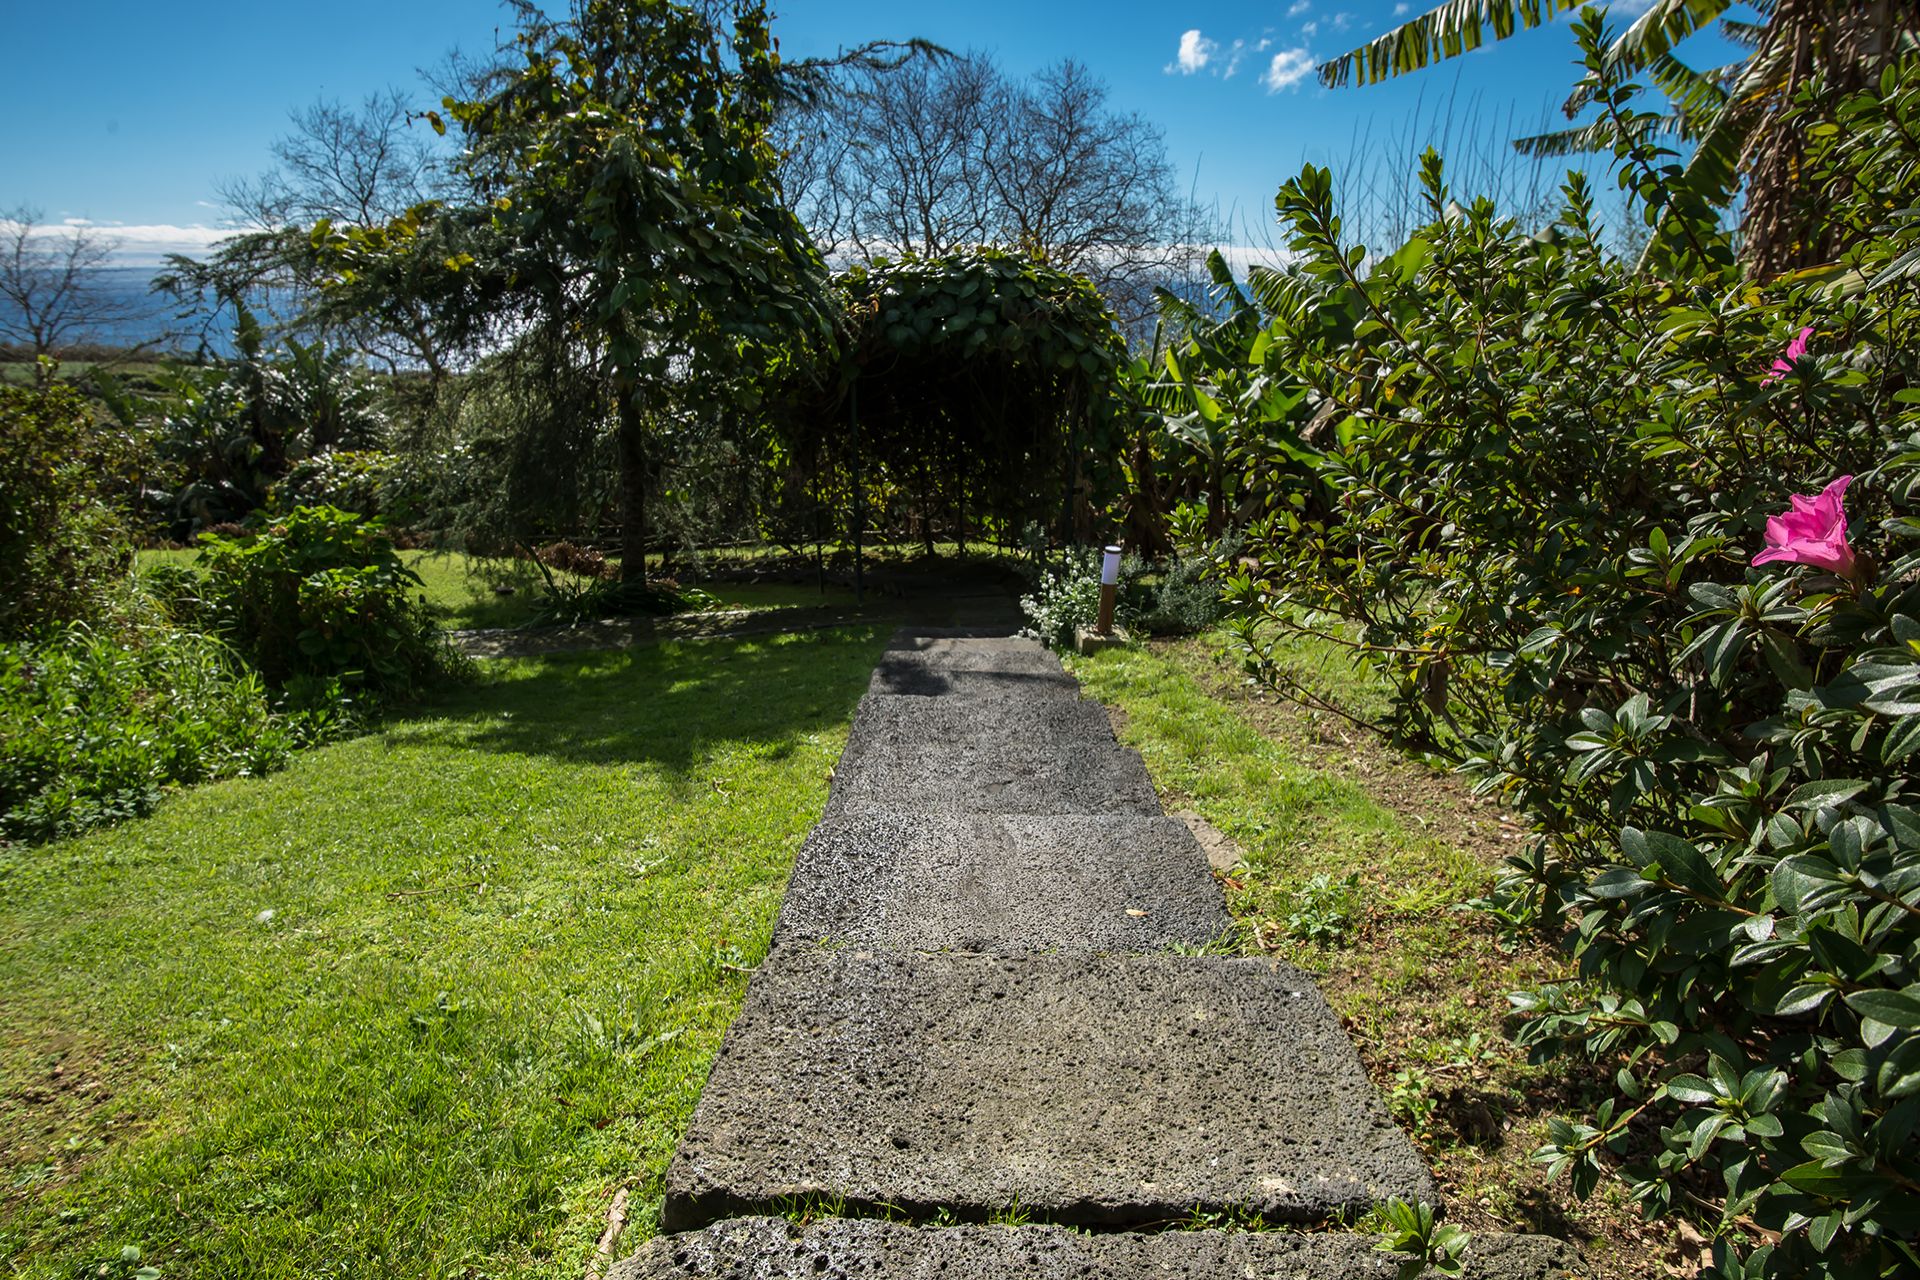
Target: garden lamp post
(1109, 585)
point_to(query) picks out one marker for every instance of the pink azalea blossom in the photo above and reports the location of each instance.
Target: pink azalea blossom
(1795, 349)
(1813, 531)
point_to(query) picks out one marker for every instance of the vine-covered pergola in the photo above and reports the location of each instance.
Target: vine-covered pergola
(973, 392)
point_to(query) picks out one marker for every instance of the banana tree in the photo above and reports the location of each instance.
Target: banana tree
(1218, 401)
(1734, 115)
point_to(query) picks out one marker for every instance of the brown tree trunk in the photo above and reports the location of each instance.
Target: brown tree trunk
(633, 486)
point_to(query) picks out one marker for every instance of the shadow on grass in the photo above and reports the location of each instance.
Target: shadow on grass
(669, 705)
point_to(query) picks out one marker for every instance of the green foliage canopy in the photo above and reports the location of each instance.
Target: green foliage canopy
(981, 381)
(1540, 483)
(60, 536)
(621, 216)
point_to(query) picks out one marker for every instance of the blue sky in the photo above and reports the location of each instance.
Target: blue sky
(135, 124)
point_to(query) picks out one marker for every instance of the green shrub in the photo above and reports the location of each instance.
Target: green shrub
(94, 724)
(568, 604)
(1545, 476)
(60, 541)
(318, 600)
(1180, 599)
(1185, 597)
(1067, 596)
(366, 481)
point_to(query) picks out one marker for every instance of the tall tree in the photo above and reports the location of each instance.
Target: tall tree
(619, 204)
(351, 166)
(945, 153)
(1735, 114)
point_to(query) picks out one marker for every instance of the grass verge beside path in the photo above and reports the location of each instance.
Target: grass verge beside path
(1355, 862)
(419, 1004)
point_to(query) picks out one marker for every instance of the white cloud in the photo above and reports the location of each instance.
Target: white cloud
(1242, 257)
(135, 244)
(1341, 21)
(1288, 68)
(1195, 52)
(1309, 31)
(1235, 56)
(1402, 9)
(1298, 7)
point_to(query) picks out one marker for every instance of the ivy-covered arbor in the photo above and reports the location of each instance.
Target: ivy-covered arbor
(969, 395)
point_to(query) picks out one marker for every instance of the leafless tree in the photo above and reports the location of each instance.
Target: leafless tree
(945, 152)
(49, 283)
(911, 175)
(1086, 188)
(361, 167)
(351, 166)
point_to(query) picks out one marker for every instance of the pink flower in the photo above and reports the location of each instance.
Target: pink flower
(1813, 531)
(1795, 349)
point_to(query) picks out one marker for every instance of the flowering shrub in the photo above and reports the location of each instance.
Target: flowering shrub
(1067, 596)
(1555, 504)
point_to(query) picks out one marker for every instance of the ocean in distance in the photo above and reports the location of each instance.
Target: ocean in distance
(141, 316)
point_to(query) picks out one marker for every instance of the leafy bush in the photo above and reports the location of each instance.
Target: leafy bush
(366, 481)
(567, 604)
(318, 600)
(1543, 482)
(93, 724)
(1067, 596)
(225, 435)
(1185, 597)
(59, 537)
(1180, 599)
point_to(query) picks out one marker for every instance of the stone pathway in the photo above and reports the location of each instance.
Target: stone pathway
(989, 999)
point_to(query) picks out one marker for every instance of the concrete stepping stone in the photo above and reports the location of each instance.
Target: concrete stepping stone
(932, 665)
(972, 882)
(994, 777)
(869, 1249)
(1086, 1090)
(890, 721)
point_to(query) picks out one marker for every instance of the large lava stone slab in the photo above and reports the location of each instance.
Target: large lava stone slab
(1097, 1090)
(867, 1249)
(974, 882)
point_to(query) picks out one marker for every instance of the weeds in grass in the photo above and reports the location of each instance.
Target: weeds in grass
(805, 1210)
(1323, 910)
(1230, 1218)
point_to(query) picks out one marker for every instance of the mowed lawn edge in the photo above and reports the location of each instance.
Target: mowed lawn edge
(421, 1003)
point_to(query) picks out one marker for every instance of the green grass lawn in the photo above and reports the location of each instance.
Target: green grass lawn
(471, 591)
(419, 1004)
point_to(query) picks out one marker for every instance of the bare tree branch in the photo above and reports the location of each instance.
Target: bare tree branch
(50, 285)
